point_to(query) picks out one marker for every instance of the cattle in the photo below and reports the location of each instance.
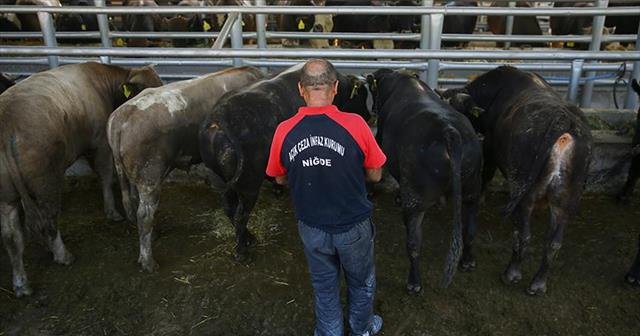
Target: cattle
(522, 25)
(432, 151)
(571, 25)
(30, 22)
(5, 82)
(191, 23)
(77, 22)
(541, 144)
(47, 122)
(304, 22)
(141, 23)
(458, 24)
(156, 132)
(236, 137)
(633, 276)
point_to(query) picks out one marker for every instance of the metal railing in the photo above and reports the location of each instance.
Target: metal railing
(427, 59)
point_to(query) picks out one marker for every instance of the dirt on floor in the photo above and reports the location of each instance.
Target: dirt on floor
(200, 289)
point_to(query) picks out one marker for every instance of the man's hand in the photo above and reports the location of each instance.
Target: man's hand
(373, 175)
(282, 180)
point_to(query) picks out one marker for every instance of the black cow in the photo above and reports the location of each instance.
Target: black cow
(458, 24)
(5, 82)
(299, 22)
(432, 151)
(633, 277)
(236, 137)
(191, 23)
(541, 144)
(572, 25)
(141, 23)
(623, 24)
(77, 22)
(522, 25)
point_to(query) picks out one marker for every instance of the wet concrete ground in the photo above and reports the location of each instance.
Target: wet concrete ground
(200, 290)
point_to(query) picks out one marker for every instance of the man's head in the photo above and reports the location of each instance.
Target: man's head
(318, 82)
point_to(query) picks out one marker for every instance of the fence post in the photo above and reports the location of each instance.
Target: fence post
(574, 81)
(425, 38)
(437, 21)
(596, 40)
(261, 37)
(236, 38)
(631, 100)
(508, 26)
(103, 25)
(49, 36)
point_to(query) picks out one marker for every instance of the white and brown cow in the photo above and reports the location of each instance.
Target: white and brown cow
(47, 122)
(156, 132)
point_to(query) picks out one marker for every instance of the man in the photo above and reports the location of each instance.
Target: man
(325, 156)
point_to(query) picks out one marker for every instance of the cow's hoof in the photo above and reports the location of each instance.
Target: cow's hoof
(632, 280)
(114, 216)
(467, 266)
(511, 276)
(23, 290)
(537, 288)
(66, 258)
(414, 289)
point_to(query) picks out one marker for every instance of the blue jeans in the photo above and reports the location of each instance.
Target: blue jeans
(327, 254)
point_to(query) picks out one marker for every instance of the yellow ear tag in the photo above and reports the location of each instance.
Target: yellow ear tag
(570, 44)
(126, 91)
(206, 26)
(242, 23)
(119, 42)
(300, 25)
(83, 27)
(353, 91)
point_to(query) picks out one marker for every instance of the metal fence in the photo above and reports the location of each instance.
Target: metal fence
(583, 67)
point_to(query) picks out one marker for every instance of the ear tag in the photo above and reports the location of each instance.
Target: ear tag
(242, 23)
(476, 112)
(126, 90)
(119, 42)
(83, 27)
(375, 84)
(354, 90)
(206, 26)
(571, 44)
(301, 25)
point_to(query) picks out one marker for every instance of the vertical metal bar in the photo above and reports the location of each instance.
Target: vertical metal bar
(49, 36)
(225, 31)
(631, 100)
(425, 38)
(596, 40)
(103, 26)
(261, 26)
(508, 25)
(574, 81)
(236, 38)
(437, 21)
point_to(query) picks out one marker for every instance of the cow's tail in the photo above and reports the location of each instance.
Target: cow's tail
(114, 135)
(540, 158)
(454, 149)
(38, 224)
(212, 145)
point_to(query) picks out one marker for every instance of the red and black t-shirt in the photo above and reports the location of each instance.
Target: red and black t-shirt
(324, 153)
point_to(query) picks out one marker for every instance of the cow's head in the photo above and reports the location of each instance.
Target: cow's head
(352, 96)
(138, 80)
(462, 102)
(374, 80)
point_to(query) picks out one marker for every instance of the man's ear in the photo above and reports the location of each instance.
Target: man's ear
(300, 89)
(335, 87)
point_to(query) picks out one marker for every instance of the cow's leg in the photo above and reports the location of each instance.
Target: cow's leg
(413, 213)
(469, 214)
(634, 173)
(14, 243)
(147, 205)
(238, 207)
(558, 221)
(633, 276)
(103, 166)
(521, 238)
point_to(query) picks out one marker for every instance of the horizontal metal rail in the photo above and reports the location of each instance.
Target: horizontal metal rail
(326, 53)
(346, 10)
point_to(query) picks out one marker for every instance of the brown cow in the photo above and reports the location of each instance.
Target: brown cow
(157, 132)
(47, 122)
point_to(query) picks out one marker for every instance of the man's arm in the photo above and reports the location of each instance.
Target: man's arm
(282, 180)
(372, 175)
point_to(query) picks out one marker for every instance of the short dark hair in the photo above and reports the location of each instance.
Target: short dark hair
(317, 73)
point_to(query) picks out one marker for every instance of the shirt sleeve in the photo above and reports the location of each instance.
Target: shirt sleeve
(373, 156)
(274, 165)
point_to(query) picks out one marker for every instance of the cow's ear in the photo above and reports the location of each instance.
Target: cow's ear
(476, 111)
(372, 82)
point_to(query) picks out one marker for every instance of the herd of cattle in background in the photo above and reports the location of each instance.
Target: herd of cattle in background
(523, 25)
(126, 118)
